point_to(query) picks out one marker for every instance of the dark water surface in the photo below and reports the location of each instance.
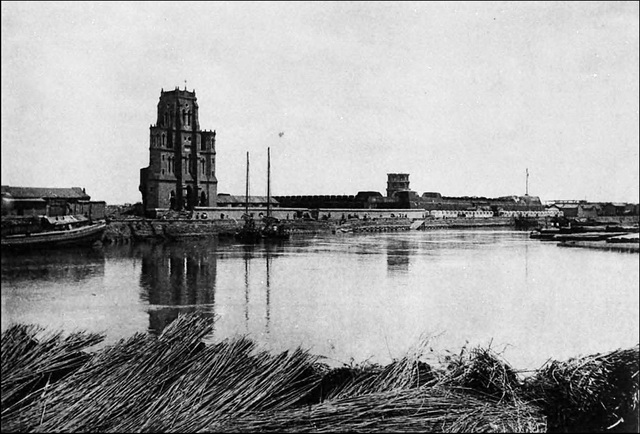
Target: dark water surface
(361, 297)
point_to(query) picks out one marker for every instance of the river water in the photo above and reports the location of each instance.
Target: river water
(358, 298)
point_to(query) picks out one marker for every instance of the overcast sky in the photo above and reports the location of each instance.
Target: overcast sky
(462, 96)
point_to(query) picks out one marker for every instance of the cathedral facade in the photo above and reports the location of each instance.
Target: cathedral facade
(182, 158)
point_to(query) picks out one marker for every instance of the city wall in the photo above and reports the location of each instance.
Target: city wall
(220, 213)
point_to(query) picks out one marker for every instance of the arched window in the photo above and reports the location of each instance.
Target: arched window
(203, 199)
(202, 165)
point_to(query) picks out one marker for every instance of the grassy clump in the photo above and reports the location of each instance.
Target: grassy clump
(596, 393)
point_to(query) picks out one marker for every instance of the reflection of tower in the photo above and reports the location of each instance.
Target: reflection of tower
(398, 252)
(397, 182)
(178, 279)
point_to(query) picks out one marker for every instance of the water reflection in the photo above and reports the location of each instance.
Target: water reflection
(398, 253)
(177, 278)
(62, 265)
(360, 297)
(182, 277)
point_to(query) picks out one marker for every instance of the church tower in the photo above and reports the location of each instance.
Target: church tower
(181, 172)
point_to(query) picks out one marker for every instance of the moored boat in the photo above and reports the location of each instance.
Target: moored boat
(587, 236)
(76, 236)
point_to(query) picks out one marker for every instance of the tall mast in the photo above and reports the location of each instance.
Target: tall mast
(268, 182)
(527, 188)
(246, 195)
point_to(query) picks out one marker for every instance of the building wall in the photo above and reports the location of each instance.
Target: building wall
(95, 210)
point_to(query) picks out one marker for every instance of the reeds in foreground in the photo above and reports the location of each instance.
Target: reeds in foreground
(177, 383)
(33, 359)
(422, 409)
(596, 393)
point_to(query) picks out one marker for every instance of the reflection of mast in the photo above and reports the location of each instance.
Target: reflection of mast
(268, 182)
(268, 294)
(246, 292)
(246, 195)
(526, 261)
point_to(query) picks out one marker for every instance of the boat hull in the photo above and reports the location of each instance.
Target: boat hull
(83, 236)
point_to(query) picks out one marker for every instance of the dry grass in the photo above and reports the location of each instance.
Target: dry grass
(589, 394)
(422, 409)
(176, 383)
(32, 360)
(482, 371)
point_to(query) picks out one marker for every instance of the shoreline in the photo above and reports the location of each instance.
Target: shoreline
(135, 229)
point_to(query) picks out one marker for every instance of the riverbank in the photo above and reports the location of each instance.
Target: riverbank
(180, 382)
(136, 229)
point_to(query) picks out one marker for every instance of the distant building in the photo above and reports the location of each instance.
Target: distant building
(51, 202)
(397, 182)
(569, 210)
(181, 172)
(588, 210)
(554, 210)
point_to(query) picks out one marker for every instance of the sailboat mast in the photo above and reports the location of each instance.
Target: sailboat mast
(268, 182)
(246, 195)
(527, 187)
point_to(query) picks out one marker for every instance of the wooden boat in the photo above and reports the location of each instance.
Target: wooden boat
(587, 236)
(626, 238)
(545, 234)
(84, 235)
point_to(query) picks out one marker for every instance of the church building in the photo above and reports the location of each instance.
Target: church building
(182, 158)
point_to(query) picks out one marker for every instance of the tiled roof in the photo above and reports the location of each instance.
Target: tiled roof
(45, 193)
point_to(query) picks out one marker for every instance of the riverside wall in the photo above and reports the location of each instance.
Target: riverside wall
(137, 229)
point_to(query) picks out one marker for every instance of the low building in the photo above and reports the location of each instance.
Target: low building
(51, 202)
(613, 209)
(588, 210)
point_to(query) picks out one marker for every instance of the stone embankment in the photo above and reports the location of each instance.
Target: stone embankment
(126, 230)
(135, 229)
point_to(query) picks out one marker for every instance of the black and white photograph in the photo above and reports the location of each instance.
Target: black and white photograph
(320, 216)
